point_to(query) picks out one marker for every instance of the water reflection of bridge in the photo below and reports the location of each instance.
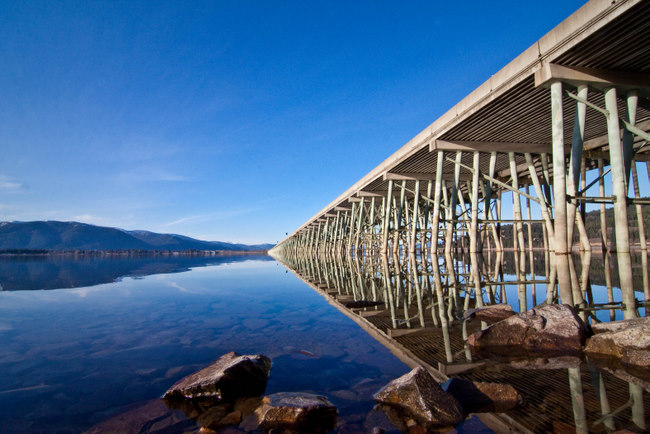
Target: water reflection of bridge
(417, 307)
(560, 131)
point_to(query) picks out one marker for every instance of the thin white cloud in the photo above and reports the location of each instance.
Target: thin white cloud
(199, 217)
(150, 174)
(217, 215)
(10, 185)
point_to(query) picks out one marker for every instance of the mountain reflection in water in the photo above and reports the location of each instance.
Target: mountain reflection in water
(32, 272)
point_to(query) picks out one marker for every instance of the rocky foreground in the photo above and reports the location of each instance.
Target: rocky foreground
(557, 331)
(228, 395)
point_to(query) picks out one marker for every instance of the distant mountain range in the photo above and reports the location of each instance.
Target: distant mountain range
(54, 235)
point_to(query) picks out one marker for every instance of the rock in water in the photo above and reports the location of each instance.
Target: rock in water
(480, 397)
(545, 330)
(419, 397)
(490, 314)
(362, 303)
(627, 341)
(152, 416)
(230, 377)
(296, 411)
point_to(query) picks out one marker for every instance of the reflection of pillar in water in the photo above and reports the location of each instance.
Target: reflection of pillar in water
(441, 306)
(468, 353)
(638, 413)
(577, 400)
(389, 290)
(599, 385)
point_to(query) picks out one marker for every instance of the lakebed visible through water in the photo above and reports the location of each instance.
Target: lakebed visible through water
(97, 349)
(74, 357)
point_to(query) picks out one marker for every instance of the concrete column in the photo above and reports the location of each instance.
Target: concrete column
(559, 195)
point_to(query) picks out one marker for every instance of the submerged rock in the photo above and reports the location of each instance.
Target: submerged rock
(294, 411)
(417, 397)
(212, 417)
(480, 397)
(627, 341)
(544, 330)
(547, 363)
(149, 417)
(377, 421)
(490, 314)
(361, 304)
(230, 377)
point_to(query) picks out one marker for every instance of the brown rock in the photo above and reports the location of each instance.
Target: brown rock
(229, 377)
(295, 411)
(211, 418)
(547, 363)
(627, 341)
(418, 396)
(617, 326)
(233, 418)
(480, 397)
(249, 423)
(637, 358)
(361, 304)
(490, 314)
(152, 415)
(246, 406)
(546, 330)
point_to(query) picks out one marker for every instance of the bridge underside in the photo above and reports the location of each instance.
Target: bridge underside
(561, 130)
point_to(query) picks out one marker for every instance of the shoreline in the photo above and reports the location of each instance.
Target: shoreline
(125, 253)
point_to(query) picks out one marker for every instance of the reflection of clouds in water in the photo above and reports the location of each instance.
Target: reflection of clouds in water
(5, 327)
(98, 338)
(84, 291)
(183, 289)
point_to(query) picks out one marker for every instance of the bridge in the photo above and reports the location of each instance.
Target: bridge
(559, 130)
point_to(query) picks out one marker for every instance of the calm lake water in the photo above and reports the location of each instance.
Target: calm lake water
(74, 357)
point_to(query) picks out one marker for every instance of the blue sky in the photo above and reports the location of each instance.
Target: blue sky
(230, 121)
